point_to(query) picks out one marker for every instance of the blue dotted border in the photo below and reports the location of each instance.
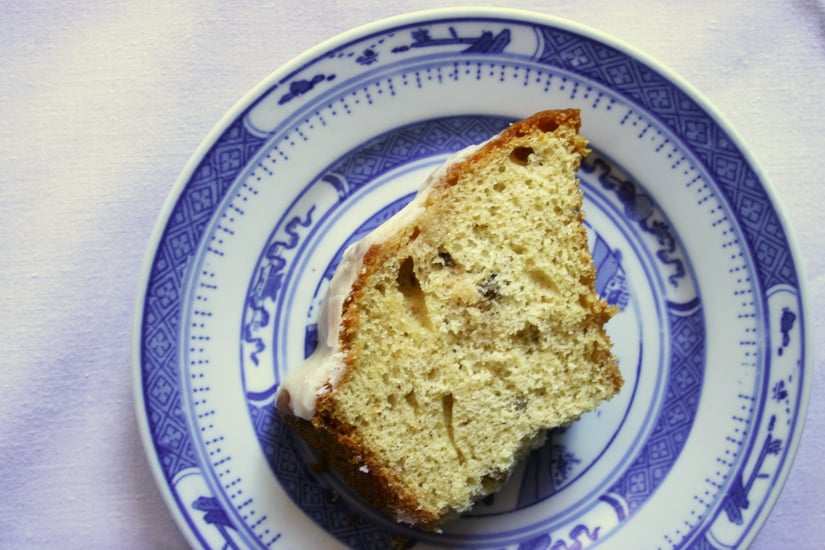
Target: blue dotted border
(236, 146)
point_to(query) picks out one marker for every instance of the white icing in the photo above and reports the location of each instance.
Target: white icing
(322, 370)
(402, 516)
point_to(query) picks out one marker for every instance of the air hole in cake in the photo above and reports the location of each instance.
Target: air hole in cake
(411, 400)
(415, 233)
(447, 411)
(410, 288)
(529, 334)
(499, 186)
(499, 371)
(520, 155)
(542, 279)
(446, 259)
(517, 248)
(548, 126)
(480, 228)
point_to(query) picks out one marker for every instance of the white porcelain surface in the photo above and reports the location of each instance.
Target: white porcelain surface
(687, 237)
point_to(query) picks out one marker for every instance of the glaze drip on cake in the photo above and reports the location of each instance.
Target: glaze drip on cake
(322, 370)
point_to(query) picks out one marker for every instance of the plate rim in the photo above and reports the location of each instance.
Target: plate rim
(362, 31)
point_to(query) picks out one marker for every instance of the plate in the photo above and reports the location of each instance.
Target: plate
(688, 239)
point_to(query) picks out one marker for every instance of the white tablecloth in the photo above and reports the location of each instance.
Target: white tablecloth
(102, 103)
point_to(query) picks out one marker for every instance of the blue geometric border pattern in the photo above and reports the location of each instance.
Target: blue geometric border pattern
(160, 370)
(706, 139)
(687, 364)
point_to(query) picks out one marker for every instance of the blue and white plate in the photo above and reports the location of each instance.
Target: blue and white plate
(686, 233)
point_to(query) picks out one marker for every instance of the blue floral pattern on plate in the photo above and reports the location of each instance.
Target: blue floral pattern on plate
(685, 234)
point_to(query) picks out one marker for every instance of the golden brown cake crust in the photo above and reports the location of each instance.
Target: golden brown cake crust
(544, 121)
(342, 450)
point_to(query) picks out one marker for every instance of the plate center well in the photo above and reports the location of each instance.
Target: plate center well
(578, 464)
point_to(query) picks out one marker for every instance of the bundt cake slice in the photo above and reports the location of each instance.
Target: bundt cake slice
(459, 331)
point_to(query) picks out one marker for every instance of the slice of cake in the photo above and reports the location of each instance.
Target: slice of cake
(459, 331)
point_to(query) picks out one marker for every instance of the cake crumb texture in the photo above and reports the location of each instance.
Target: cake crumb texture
(471, 331)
